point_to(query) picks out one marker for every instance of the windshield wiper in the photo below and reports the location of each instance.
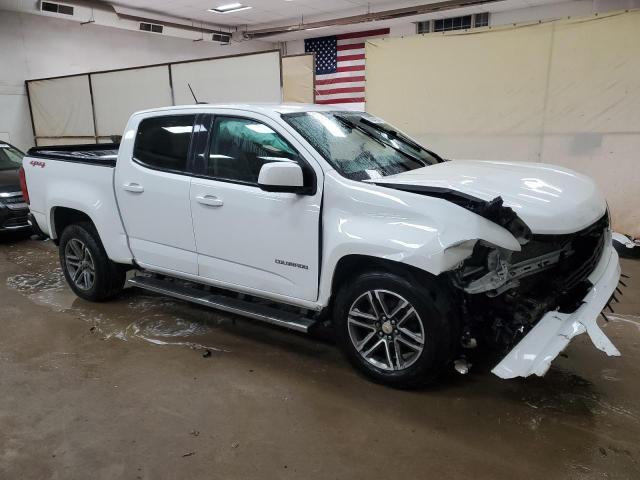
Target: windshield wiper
(382, 142)
(360, 128)
(392, 133)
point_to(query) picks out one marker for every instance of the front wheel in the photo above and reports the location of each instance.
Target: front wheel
(397, 332)
(86, 266)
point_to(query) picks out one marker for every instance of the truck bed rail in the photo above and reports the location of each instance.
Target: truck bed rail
(101, 154)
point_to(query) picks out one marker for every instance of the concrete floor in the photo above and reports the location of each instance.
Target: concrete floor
(122, 390)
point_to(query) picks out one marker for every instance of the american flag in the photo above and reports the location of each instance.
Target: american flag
(340, 61)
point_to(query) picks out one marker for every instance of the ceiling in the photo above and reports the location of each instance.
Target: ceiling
(285, 12)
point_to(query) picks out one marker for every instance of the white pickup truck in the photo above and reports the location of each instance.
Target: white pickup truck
(304, 215)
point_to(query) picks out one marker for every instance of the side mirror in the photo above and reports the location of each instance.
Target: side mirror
(281, 177)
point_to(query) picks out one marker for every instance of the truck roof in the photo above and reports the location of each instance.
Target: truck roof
(269, 109)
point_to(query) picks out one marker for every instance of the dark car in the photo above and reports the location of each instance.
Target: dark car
(14, 211)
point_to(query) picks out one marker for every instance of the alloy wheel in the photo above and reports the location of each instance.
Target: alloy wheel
(79, 263)
(386, 330)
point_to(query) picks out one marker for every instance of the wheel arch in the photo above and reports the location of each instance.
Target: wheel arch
(62, 217)
(349, 266)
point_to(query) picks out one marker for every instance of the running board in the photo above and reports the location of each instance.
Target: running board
(220, 302)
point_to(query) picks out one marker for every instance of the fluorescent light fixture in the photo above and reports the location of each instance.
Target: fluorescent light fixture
(230, 7)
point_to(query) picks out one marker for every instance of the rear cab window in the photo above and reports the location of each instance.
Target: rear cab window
(162, 143)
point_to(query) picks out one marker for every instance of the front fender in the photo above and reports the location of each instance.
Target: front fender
(428, 233)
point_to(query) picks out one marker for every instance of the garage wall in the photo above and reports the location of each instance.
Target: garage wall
(38, 47)
(564, 92)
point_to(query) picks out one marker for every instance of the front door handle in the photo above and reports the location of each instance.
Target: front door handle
(133, 187)
(209, 200)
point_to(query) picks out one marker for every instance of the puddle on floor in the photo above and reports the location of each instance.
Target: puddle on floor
(158, 320)
(628, 319)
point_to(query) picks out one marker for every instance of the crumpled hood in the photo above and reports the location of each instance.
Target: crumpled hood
(9, 181)
(548, 198)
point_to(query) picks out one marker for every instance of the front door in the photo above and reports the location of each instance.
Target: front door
(262, 241)
(152, 188)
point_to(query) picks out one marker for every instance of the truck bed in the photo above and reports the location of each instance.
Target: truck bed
(101, 154)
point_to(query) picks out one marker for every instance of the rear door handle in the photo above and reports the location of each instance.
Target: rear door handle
(133, 187)
(210, 200)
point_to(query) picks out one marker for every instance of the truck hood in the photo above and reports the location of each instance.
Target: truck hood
(548, 198)
(9, 181)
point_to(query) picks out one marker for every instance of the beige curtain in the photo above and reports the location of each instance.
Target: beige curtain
(298, 77)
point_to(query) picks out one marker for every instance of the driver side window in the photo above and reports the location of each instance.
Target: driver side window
(240, 146)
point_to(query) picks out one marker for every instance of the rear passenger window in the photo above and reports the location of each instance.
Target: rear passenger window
(240, 147)
(163, 142)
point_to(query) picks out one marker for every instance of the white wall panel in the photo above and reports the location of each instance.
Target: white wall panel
(116, 95)
(243, 78)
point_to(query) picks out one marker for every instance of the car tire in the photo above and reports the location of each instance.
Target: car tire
(88, 270)
(415, 341)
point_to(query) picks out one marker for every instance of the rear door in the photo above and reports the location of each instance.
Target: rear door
(152, 188)
(247, 237)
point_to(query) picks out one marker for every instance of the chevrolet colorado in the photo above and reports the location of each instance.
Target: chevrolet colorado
(308, 215)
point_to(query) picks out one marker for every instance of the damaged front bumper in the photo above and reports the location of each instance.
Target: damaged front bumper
(535, 352)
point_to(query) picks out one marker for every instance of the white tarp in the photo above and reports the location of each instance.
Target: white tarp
(116, 95)
(240, 78)
(61, 106)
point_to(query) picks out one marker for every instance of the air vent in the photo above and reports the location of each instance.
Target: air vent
(222, 38)
(151, 27)
(51, 7)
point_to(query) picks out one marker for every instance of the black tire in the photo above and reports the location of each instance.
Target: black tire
(435, 311)
(108, 277)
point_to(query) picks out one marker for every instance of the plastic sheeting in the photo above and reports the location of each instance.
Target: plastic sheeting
(61, 106)
(298, 78)
(116, 95)
(564, 92)
(241, 78)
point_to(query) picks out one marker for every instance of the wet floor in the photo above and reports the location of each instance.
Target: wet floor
(148, 387)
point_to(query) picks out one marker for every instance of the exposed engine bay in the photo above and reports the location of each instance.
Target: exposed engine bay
(513, 290)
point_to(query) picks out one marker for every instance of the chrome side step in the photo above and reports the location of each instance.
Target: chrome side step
(178, 289)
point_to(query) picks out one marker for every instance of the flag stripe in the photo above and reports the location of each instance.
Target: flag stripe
(350, 46)
(359, 56)
(369, 33)
(342, 100)
(350, 41)
(337, 78)
(322, 88)
(341, 90)
(338, 96)
(356, 51)
(349, 63)
(350, 68)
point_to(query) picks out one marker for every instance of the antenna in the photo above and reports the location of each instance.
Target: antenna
(193, 94)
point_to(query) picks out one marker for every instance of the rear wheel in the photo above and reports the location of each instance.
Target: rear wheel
(396, 331)
(86, 266)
